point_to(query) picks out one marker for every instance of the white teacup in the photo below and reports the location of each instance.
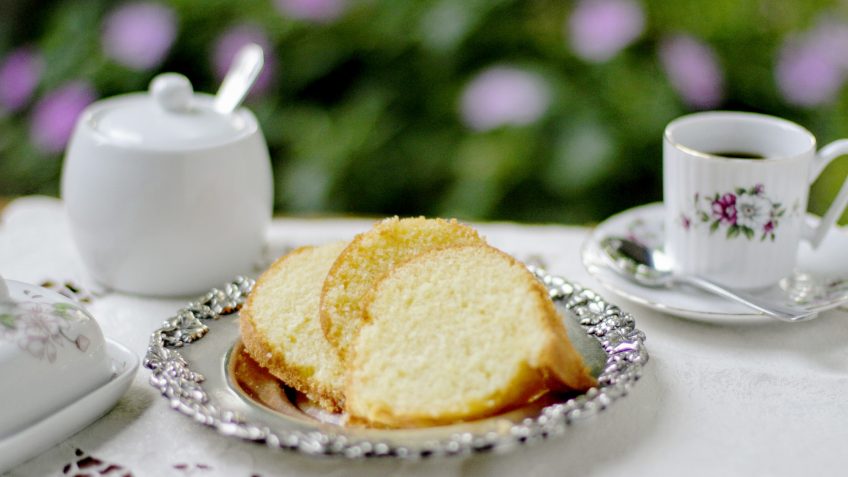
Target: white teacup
(165, 195)
(735, 189)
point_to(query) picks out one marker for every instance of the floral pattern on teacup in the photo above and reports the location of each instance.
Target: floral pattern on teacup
(747, 213)
(40, 329)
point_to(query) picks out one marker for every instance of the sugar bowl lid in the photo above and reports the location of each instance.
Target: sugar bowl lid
(169, 116)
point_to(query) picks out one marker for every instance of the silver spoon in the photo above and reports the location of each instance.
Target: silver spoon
(239, 79)
(652, 268)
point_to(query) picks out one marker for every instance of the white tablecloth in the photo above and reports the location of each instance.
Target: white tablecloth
(756, 399)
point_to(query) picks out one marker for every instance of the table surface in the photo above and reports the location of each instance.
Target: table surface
(765, 398)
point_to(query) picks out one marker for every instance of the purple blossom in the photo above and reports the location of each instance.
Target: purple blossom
(724, 209)
(831, 37)
(759, 189)
(139, 35)
(768, 227)
(231, 41)
(693, 70)
(685, 221)
(504, 95)
(599, 29)
(55, 115)
(38, 332)
(82, 342)
(319, 11)
(19, 75)
(807, 71)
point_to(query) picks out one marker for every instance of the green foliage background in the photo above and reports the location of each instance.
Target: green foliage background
(362, 116)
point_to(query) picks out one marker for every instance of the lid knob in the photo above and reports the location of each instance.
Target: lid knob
(172, 92)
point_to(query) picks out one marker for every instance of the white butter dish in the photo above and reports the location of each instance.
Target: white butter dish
(59, 372)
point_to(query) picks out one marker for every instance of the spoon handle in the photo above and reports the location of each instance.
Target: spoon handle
(245, 68)
(780, 312)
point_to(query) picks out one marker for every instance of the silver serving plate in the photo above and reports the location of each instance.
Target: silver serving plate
(212, 381)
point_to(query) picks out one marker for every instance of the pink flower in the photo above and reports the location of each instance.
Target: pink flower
(319, 11)
(38, 333)
(768, 227)
(229, 43)
(139, 35)
(759, 189)
(724, 209)
(504, 95)
(685, 221)
(599, 29)
(693, 70)
(807, 74)
(831, 37)
(19, 75)
(55, 115)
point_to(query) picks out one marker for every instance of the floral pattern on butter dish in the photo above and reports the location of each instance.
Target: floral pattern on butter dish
(747, 213)
(40, 329)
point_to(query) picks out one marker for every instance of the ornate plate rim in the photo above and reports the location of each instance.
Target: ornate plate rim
(614, 330)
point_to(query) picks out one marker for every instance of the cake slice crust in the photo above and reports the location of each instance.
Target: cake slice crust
(371, 255)
(280, 327)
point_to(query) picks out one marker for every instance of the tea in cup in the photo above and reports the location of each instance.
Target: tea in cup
(735, 190)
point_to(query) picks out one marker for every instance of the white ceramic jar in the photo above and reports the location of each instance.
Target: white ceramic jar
(164, 195)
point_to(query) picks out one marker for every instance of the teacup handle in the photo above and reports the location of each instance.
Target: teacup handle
(825, 156)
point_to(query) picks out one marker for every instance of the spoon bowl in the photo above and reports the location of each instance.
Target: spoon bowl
(646, 266)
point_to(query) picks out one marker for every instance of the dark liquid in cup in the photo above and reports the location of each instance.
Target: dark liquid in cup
(738, 155)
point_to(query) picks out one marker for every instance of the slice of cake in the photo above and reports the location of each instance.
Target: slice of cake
(370, 256)
(456, 334)
(281, 330)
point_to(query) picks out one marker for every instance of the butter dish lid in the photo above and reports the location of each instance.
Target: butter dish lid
(51, 348)
(169, 116)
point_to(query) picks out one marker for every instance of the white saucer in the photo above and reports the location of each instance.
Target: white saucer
(819, 283)
(60, 425)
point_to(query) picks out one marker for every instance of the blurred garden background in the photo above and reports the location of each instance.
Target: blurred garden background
(535, 110)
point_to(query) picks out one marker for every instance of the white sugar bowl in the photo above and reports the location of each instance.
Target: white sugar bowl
(165, 194)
